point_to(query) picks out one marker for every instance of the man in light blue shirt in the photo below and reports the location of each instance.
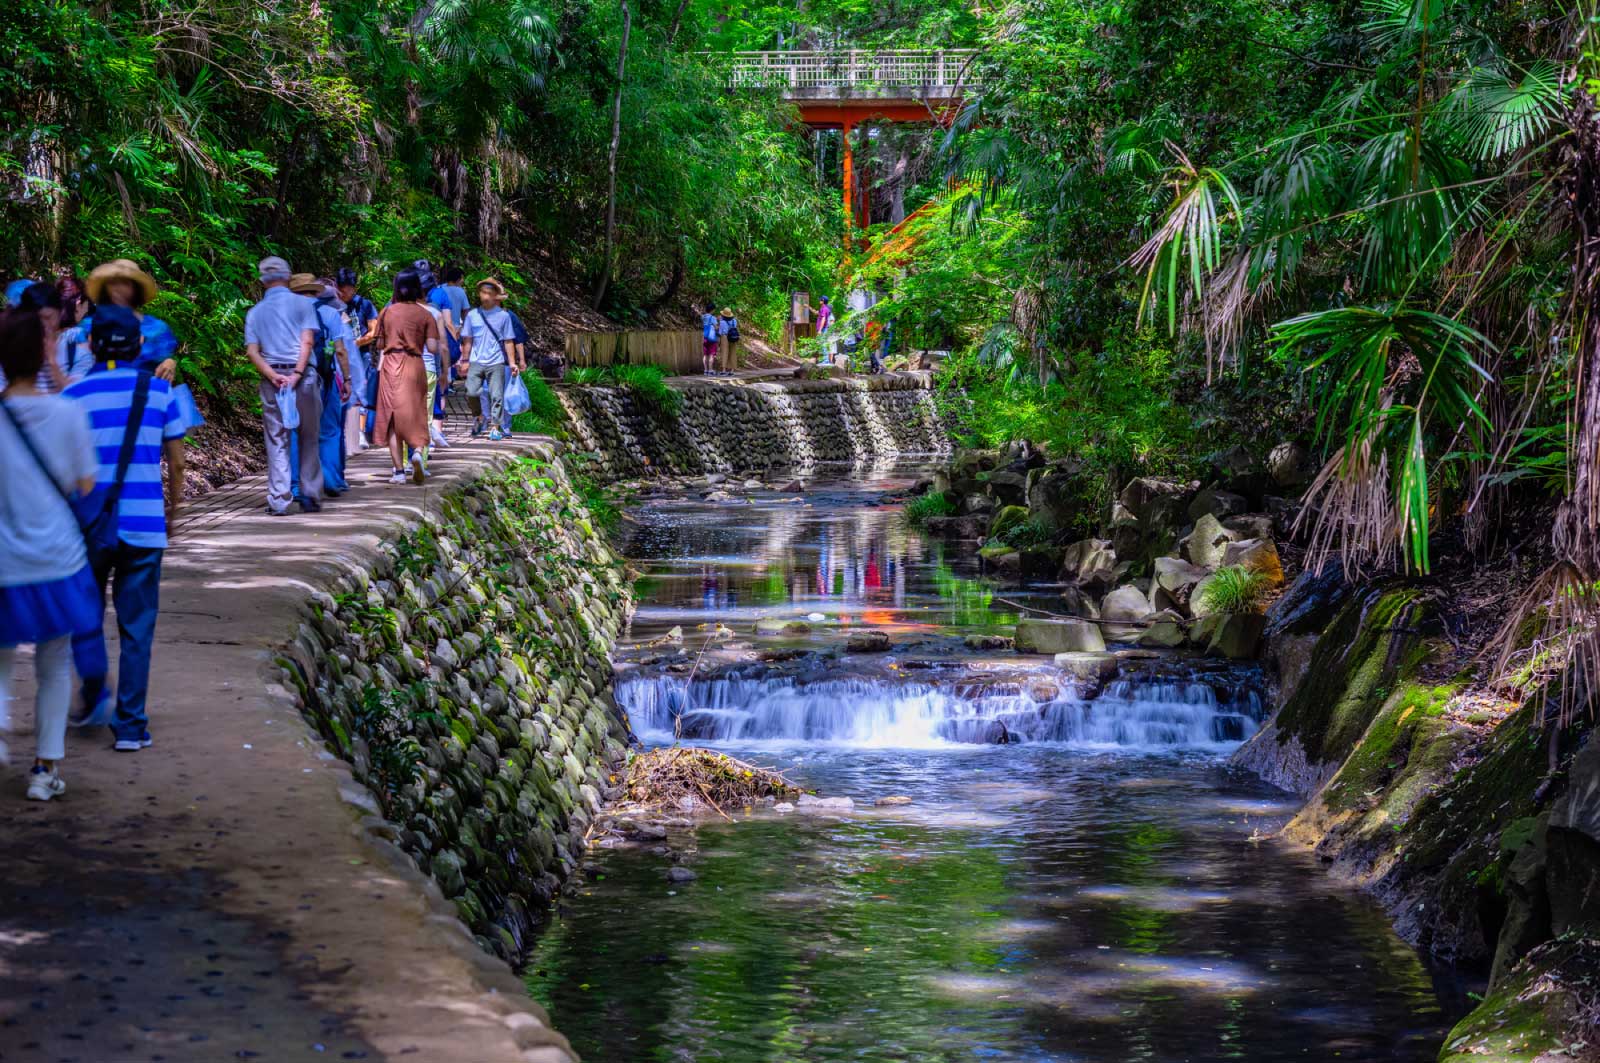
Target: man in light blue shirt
(488, 341)
(279, 333)
(330, 359)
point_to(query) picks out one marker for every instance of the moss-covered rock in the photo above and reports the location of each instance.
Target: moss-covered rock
(1543, 1011)
(1375, 641)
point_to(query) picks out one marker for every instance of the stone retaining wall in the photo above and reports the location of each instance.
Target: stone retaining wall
(734, 425)
(467, 681)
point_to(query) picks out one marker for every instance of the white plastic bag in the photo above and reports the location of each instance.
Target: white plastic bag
(517, 399)
(288, 408)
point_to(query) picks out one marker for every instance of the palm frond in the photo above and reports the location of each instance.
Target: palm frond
(1204, 203)
(1494, 113)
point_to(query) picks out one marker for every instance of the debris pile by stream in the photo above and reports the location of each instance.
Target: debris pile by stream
(682, 777)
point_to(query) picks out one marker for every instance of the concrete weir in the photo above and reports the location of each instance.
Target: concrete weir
(379, 733)
(732, 425)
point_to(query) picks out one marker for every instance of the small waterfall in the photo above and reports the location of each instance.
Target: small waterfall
(1130, 713)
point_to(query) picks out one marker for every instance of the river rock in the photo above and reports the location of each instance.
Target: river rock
(987, 642)
(1251, 525)
(1038, 635)
(1289, 465)
(1093, 666)
(892, 801)
(1056, 497)
(1125, 603)
(812, 803)
(1257, 555)
(1007, 520)
(1166, 631)
(1206, 544)
(976, 505)
(752, 485)
(783, 806)
(1217, 502)
(1091, 564)
(1041, 689)
(1007, 487)
(867, 642)
(1174, 580)
(1236, 636)
(772, 626)
(679, 873)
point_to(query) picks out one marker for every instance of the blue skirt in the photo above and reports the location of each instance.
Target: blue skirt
(39, 612)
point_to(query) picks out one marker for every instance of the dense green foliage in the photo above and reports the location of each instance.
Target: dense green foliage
(1229, 203)
(198, 137)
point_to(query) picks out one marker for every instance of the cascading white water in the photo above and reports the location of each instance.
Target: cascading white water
(1129, 713)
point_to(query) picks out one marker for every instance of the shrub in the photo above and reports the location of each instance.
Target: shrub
(1028, 535)
(1235, 589)
(932, 504)
(546, 416)
(647, 382)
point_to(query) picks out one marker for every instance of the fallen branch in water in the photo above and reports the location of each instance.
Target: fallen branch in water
(661, 778)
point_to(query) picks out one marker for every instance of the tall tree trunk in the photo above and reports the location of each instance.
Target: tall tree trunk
(897, 184)
(611, 163)
(1577, 531)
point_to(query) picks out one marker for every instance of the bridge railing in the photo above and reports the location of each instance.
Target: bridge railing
(849, 70)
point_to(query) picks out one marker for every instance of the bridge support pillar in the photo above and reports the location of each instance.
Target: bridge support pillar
(849, 168)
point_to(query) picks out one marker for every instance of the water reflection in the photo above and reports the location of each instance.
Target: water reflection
(838, 553)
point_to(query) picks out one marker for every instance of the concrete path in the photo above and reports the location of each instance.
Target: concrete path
(223, 894)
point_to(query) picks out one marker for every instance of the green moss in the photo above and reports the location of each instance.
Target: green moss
(1404, 755)
(1354, 667)
(1533, 1015)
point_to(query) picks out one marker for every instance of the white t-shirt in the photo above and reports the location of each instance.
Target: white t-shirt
(39, 537)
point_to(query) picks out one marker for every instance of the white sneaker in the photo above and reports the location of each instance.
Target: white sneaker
(400, 476)
(436, 437)
(44, 784)
(418, 473)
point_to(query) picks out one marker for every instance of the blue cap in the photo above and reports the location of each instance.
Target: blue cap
(114, 333)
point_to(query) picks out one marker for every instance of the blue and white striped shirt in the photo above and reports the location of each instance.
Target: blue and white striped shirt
(107, 396)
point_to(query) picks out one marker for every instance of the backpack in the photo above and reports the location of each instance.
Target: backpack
(733, 330)
(322, 348)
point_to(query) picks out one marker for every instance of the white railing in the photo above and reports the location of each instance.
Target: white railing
(855, 69)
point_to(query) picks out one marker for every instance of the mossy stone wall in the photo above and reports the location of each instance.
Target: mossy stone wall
(723, 426)
(466, 679)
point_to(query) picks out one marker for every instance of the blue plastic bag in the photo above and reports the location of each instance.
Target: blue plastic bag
(517, 399)
(189, 416)
(288, 408)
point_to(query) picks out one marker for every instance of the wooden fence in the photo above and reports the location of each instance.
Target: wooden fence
(678, 352)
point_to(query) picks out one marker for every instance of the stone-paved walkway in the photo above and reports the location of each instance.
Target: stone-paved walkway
(223, 895)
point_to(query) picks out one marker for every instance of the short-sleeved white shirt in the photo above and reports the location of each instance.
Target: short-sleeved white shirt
(39, 537)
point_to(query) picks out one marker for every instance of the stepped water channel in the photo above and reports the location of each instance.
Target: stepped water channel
(1076, 877)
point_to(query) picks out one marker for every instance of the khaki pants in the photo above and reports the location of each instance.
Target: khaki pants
(308, 400)
(492, 377)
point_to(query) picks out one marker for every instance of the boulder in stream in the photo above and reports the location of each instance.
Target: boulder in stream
(867, 642)
(1039, 635)
(774, 626)
(1093, 666)
(1126, 603)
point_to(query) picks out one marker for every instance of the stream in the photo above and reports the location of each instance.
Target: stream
(1077, 875)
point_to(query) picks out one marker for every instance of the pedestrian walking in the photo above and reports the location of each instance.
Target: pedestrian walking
(121, 282)
(47, 590)
(824, 313)
(361, 317)
(728, 329)
(64, 361)
(405, 333)
(280, 332)
(440, 363)
(331, 359)
(710, 330)
(488, 344)
(137, 426)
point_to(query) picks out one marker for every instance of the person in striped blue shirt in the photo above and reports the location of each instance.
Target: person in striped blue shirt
(108, 395)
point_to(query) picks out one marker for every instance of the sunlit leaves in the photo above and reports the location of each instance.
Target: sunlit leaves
(1189, 241)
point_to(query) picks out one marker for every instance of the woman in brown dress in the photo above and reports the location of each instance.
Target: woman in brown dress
(404, 330)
